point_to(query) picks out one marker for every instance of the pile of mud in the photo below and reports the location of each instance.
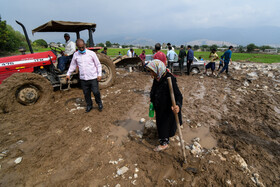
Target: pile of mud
(230, 128)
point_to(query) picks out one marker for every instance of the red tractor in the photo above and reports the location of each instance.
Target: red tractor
(26, 79)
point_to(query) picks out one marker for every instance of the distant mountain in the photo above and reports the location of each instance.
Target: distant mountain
(218, 35)
(210, 42)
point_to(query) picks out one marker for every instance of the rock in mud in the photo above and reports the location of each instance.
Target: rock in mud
(142, 120)
(18, 160)
(196, 148)
(228, 182)
(197, 139)
(240, 161)
(246, 84)
(88, 129)
(122, 170)
(255, 179)
(135, 175)
(252, 76)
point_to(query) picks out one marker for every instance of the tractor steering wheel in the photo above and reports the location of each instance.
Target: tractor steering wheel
(56, 49)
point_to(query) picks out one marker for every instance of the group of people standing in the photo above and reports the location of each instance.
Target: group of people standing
(171, 56)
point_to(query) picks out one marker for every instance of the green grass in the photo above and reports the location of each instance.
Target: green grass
(239, 57)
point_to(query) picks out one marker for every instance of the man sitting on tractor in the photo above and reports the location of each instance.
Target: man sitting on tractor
(70, 48)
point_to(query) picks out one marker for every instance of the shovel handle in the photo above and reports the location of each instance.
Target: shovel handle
(176, 117)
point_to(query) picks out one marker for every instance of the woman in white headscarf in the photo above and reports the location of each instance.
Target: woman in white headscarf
(160, 97)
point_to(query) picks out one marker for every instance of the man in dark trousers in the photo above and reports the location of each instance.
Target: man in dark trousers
(190, 57)
(182, 55)
(90, 73)
(227, 59)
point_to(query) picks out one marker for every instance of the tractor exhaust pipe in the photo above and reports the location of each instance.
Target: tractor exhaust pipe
(26, 36)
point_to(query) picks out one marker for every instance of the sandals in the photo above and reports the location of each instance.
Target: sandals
(161, 147)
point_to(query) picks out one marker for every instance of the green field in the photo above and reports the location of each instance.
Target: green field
(239, 57)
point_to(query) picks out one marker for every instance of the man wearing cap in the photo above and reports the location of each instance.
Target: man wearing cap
(70, 48)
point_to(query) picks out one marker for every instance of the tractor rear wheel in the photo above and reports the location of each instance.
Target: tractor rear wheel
(24, 89)
(108, 71)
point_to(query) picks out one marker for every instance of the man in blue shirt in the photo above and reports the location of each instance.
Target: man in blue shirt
(190, 57)
(227, 58)
(171, 55)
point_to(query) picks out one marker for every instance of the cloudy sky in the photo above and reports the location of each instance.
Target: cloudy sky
(148, 18)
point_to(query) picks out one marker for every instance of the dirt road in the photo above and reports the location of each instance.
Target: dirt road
(236, 118)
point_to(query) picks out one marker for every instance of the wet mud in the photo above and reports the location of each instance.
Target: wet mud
(236, 119)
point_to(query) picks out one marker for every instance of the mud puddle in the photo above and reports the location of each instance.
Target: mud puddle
(132, 123)
(203, 132)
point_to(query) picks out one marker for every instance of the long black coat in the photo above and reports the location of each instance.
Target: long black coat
(160, 97)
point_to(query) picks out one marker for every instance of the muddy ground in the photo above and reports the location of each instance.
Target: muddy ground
(237, 119)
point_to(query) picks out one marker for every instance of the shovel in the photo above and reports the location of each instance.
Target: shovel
(177, 118)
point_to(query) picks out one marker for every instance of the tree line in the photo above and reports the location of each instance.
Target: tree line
(11, 40)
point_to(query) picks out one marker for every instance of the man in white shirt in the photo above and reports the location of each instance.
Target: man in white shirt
(171, 56)
(130, 53)
(70, 48)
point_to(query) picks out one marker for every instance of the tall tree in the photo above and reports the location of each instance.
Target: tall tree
(108, 44)
(212, 47)
(41, 43)
(10, 40)
(251, 47)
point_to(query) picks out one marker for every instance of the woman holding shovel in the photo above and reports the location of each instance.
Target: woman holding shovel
(160, 97)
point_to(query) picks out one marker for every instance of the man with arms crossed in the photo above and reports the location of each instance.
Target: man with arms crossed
(90, 73)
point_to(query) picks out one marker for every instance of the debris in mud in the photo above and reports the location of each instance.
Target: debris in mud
(196, 149)
(211, 162)
(88, 129)
(246, 84)
(118, 185)
(197, 139)
(240, 161)
(228, 182)
(252, 76)
(115, 162)
(133, 182)
(142, 120)
(191, 170)
(171, 182)
(18, 160)
(255, 179)
(3, 154)
(122, 170)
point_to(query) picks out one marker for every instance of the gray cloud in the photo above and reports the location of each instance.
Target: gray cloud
(128, 17)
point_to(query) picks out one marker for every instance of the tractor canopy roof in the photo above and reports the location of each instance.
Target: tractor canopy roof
(64, 26)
